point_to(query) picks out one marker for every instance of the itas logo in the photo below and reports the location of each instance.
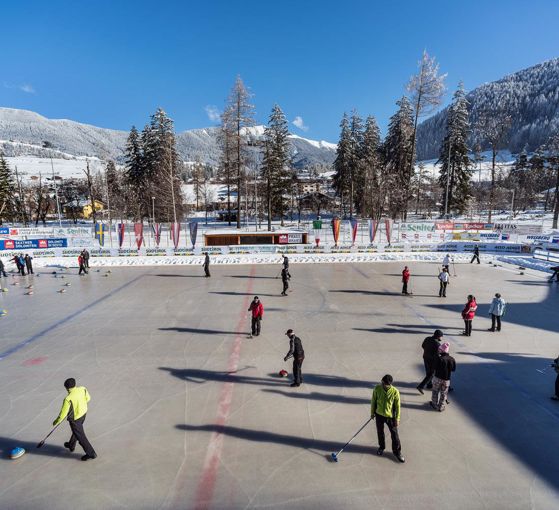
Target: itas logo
(9, 244)
(43, 243)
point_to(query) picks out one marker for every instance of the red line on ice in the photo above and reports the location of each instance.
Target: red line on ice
(207, 481)
(34, 361)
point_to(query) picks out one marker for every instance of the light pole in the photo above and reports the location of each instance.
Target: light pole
(48, 145)
(153, 210)
(448, 167)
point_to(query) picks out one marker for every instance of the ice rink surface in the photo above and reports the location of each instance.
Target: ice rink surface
(186, 412)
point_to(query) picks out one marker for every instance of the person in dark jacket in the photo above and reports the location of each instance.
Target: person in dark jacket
(15, 260)
(405, 280)
(257, 310)
(28, 263)
(555, 366)
(285, 276)
(296, 351)
(476, 255)
(207, 264)
(285, 262)
(555, 274)
(430, 348)
(21, 264)
(441, 381)
(85, 255)
(3, 269)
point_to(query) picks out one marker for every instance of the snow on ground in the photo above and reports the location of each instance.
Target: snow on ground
(29, 167)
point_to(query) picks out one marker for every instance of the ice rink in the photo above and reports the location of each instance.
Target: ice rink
(187, 412)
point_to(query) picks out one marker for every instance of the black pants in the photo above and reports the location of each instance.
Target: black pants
(495, 319)
(468, 327)
(297, 375)
(3, 273)
(82, 269)
(86, 263)
(29, 269)
(442, 289)
(475, 257)
(380, 421)
(207, 271)
(557, 386)
(554, 275)
(405, 288)
(256, 325)
(285, 287)
(429, 372)
(78, 434)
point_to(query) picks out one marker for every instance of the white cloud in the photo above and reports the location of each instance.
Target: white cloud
(298, 123)
(213, 113)
(27, 88)
(24, 87)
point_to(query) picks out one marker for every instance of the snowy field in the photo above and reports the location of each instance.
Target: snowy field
(187, 412)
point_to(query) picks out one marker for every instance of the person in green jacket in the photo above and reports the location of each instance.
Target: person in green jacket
(385, 408)
(75, 408)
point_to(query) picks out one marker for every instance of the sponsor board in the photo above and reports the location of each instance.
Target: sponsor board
(46, 253)
(156, 252)
(183, 252)
(295, 238)
(444, 225)
(423, 247)
(518, 228)
(417, 227)
(104, 252)
(71, 252)
(32, 244)
(127, 252)
(367, 248)
(314, 249)
(394, 247)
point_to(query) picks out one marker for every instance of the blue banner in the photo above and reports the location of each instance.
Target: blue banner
(4, 231)
(33, 244)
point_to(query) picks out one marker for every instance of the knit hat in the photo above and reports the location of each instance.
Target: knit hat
(445, 347)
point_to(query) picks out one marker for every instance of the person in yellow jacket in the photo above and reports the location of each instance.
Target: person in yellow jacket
(385, 408)
(75, 408)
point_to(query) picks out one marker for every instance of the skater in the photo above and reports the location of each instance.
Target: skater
(85, 255)
(497, 310)
(476, 255)
(446, 262)
(296, 351)
(444, 279)
(555, 365)
(285, 277)
(257, 310)
(405, 280)
(28, 263)
(75, 408)
(441, 381)
(3, 269)
(555, 274)
(207, 264)
(430, 348)
(468, 315)
(385, 408)
(82, 265)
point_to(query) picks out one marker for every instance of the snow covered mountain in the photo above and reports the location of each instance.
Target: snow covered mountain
(23, 132)
(530, 96)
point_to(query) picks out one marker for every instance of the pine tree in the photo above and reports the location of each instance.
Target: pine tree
(226, 143)
(342, 163)
(456, 171)
(7, 191)
(369, 197)
(276, 163)
(355, 146)
(134, 172)
(241, 116)
(398, 152)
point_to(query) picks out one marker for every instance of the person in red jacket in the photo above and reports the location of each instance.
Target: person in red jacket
(257, 310)
(405, 280)
(81, 262)
(468, 315)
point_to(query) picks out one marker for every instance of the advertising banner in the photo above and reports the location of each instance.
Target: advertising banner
(31, 244)
(417, 227)
(156, 228)
(120, 230)
(354, 225)
(388, 229)
(336, 222)
(373, 227)
(175, 234)
(193, 226)
(139, 234)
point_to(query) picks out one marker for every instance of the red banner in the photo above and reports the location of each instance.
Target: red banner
(388, 229)
(336, 222)
(139, 234)
(156, 227)
(175, 234)
(354, 225)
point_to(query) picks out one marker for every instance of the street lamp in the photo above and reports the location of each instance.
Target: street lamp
(153, 210)
(47, 145)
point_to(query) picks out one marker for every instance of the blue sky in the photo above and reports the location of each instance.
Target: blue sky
(111, 63)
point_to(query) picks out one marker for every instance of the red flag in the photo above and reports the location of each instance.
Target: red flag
(336, 222)
(373, 227)
(388, 227)
(175, 234)
(156, 227)
(354, 225)
(139, 234)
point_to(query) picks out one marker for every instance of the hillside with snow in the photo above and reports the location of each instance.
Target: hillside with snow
(22, 134)
(530, 96)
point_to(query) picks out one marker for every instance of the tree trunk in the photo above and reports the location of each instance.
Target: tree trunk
(556, 197)
(492, 189)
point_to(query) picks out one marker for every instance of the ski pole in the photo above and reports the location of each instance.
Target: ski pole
(336, 455)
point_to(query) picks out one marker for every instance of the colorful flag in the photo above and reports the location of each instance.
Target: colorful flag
(139, 234)
(100, 233)
(354, 224)
(156, 227)
(336, 222)
(175, 234)
(120, 230)
(193, 231)
(317, 233)
(388, 229)
(373, 228)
